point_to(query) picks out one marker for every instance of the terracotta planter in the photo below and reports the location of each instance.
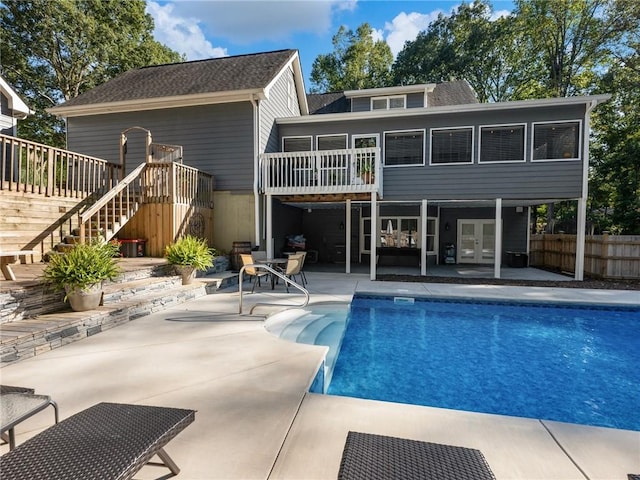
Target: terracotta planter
(85, 299)
(188, 273)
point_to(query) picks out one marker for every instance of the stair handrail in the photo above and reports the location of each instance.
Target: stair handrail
(277, 274)
(107, 197)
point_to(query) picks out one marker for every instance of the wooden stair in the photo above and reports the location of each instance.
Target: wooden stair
(35, 320)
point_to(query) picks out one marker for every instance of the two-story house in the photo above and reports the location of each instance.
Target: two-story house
(413, 175)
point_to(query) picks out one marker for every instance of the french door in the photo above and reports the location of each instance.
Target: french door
(476, 241)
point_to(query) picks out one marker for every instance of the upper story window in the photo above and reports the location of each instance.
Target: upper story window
(404, 148)
(296, 144)
(556, 141)
(365, 140)
(502, 143)
(388, 103)
(451, 146)
(331, 142)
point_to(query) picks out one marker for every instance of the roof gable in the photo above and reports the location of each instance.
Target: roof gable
(197, 79)
(17, 107)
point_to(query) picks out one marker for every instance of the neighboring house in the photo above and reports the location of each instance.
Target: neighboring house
(12, 109)
(411, 175)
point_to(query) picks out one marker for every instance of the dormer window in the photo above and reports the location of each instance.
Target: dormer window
(388, 103)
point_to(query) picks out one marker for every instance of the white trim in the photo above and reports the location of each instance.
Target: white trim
(324, 135)
(524, 143)
(424, 222)
(176, 101)
(384, 149)
(385, 91)
(355, 136)
(469, 107)
(310, 137)
(462, 127)
(18, 107)
(347, 233)
(550, 122)
(387, 100)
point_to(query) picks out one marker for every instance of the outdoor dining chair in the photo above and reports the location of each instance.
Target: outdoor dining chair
(293, 268)
(247, 259)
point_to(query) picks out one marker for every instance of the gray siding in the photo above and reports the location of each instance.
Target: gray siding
(277, 105)
(528, 180)
(215, 138)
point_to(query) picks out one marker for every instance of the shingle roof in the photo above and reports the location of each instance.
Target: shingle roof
(458, 92)
(327, 103)
(226, 74)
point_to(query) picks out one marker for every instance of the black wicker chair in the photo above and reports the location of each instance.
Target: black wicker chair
(106, 441)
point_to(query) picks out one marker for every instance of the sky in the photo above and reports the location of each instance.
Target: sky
(216, 28)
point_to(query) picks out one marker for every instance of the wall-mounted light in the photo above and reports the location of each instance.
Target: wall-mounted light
(447, 227)
(519, 209)
(341, 226)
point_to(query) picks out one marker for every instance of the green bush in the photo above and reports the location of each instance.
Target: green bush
(190, 251)
(83, 266)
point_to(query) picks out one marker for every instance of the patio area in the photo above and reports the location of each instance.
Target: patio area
(255, 419)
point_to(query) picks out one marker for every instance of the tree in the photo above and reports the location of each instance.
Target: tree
(489, 54)
(572, 40)
(356, 62)
(52, 51)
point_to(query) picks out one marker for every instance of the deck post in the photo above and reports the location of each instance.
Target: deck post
(423, 240)
(374, 235)
(497, 253)
(269, 225)
(347, 232)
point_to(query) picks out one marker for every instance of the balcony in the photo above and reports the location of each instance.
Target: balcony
(356, 170)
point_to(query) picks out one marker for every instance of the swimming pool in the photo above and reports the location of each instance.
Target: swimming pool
(567, 363)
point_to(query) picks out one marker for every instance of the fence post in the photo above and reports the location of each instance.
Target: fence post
(604, 255)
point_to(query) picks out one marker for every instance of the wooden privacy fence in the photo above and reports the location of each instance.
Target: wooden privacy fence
(32, 167)
(606, 256)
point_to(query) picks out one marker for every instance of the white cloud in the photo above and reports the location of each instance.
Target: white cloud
(500, 13)
(405, 27)
(182, 34)
(247, 21)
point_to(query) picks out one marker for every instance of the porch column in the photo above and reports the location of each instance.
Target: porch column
(267, 200)
(581, 238)
(423, 240)
(347, 243)
(374, 235)
(497, 255)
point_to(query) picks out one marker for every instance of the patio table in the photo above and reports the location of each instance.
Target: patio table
(273, 263)
(17, 407)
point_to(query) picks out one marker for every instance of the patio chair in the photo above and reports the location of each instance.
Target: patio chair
(304, 257)
(293, 268)
(247, 259)
(108, 440)
(390, 458)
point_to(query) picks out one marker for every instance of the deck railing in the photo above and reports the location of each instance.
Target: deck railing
(321, 172)
(32, 167)
(167, 182)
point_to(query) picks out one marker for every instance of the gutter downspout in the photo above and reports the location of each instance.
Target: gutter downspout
(582, 201)
(256, 166)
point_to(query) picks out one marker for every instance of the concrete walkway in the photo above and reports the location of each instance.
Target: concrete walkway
(255, 419)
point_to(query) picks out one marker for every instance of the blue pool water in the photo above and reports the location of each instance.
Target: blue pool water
(566, 363)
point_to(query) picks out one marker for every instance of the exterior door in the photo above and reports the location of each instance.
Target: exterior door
(476, 241)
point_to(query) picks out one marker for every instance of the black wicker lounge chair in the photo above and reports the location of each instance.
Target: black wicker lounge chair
(106, 441)
(372, 457)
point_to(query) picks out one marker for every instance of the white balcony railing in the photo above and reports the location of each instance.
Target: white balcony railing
(328, 171)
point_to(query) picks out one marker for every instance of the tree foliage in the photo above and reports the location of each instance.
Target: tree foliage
(51, 51)
(469, 45)
(356, 62)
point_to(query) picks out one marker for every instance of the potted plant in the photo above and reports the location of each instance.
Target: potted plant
(366, 172)
(189, 254)
(81, 271)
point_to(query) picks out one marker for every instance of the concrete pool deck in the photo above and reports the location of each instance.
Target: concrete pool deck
(255, 419)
